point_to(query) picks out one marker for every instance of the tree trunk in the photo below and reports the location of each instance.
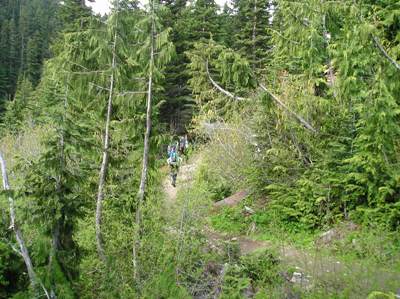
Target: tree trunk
(104, 163)
(23, 250)
(254, 34)
(143, 179)
(142, 187)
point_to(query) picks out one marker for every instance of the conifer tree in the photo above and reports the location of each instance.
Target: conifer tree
(176, 110)
(252, 38)
(17, 110)
(194, 22)
(228, 23)
(35, 282)
(27, 28)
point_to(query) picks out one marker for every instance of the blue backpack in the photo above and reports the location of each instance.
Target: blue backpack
(173, 156)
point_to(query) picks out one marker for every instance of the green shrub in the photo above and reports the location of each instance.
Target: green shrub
(259, 270)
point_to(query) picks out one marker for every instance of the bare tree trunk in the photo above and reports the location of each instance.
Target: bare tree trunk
(23, 250)
(142, 187)
(143, 179)
(254, 34)
(104, 163)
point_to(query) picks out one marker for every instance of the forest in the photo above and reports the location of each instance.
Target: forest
(290, 183)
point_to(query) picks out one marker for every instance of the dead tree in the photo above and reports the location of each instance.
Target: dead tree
(23, 250)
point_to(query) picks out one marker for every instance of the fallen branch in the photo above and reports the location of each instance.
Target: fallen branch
(23, 250)
(286, 108)
(225, 92)
(383, 51)
(232, 200)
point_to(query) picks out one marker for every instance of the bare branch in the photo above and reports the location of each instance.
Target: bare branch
(384, 53)
(284, 37)
(86, 73)
(99, 87)
(121, 94)
(286, 108)
(77, 64)
(225, 92)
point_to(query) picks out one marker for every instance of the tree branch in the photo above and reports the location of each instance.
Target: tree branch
(99, 87)
(121, 94)
(274, 97)
(225, 92)
(15, 249)
(384, 53)
(286, 108)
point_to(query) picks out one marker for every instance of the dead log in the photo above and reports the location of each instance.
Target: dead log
(232, 200)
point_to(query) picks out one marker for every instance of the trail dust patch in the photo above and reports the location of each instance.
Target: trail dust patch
(185, 177)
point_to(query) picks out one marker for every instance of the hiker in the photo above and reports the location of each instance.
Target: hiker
(174, 162)
(183, 145)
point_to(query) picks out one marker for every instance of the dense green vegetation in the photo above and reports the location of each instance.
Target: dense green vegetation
(295, 102)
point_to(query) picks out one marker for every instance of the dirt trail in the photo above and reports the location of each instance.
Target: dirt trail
(311, 266)
(185, 177)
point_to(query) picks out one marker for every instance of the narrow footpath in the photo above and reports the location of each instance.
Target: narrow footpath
(311, 266)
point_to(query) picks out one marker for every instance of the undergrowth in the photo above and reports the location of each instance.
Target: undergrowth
(357, 263)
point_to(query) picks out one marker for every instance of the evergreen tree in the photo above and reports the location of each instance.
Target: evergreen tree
(252, 37)
(176, 110)
(228, 23)
(26, 30)
(311, 75)
(17, 110)
(198, 21)
(34, 58)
